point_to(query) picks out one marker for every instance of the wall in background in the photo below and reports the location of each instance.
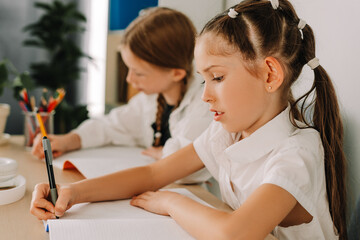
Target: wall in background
(122, 12)
(199, 11)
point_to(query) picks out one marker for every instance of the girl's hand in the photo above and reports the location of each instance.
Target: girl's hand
(37, 148)
(43, 208)
(60, 144)
(154, 152)
(157, 202)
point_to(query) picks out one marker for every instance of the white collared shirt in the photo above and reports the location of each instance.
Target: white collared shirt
(130, 125)
(277, 153)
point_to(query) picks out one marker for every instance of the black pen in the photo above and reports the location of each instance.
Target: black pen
(49, 167)
(48, 160)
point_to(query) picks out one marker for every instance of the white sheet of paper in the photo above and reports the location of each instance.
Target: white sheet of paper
(110, 229)
(95, 162)
(117, 220)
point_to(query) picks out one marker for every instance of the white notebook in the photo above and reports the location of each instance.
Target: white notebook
(117, 220)
(95, 162)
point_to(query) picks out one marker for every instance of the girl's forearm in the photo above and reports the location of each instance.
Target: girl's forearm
(72, 141)
(130, 182)
(254, 219)
(200, 221)
(119, 185)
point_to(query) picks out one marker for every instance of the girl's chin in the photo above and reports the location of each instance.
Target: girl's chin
(147, 92)
(228, 128)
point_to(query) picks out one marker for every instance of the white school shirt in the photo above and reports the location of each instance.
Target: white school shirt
(130, 125)
(277, 153)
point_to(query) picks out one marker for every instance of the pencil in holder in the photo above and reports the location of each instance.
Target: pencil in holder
(31, 127)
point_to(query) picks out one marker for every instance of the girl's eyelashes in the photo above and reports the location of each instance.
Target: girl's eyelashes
(212, 77)
(218, 78)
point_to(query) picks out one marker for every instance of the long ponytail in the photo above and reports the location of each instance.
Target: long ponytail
(326, 119)
(328, 122)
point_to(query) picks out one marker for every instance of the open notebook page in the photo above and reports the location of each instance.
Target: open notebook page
(110, 229)
(94, 162)
(116, 220)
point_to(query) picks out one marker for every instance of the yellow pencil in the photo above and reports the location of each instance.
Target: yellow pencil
(41, 124)
(32, 103)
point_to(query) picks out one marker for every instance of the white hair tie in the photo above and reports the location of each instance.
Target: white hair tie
(313, 63)
(232, 13)
(301, 24)
(274, 4)
(157, 135)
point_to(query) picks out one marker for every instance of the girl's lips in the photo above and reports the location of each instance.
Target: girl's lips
(139, 89)
(217, 115)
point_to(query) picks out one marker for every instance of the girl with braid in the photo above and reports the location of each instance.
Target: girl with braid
(279, 171)
(158, 49)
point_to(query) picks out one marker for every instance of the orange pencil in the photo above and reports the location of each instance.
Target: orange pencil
(54, 102)
(41, 124)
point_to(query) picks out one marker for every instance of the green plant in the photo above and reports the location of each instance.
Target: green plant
(10, 77)
(55, 32)
(67, 117)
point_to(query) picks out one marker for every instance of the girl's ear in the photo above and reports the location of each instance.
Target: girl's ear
(275, 74)
(178, 74)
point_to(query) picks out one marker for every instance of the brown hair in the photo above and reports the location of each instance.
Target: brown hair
(166, 38)
(260, 31)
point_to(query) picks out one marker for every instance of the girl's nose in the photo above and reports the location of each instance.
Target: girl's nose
(129, 77)
(206, 95)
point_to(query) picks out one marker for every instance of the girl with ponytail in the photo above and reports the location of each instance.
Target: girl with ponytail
(280, 171)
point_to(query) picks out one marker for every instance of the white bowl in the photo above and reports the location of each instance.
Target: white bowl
(13, 194)
(8, 169)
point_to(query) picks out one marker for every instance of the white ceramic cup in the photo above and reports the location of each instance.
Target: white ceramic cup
(4, 113)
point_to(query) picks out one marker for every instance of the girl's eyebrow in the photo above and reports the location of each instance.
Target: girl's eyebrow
(209, 67)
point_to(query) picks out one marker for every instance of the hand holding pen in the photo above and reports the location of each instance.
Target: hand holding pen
(43, 209)
(60, 144)
(48, 160)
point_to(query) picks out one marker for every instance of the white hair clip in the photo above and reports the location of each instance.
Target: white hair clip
(232, 13)
(274, 4)
(313, 63)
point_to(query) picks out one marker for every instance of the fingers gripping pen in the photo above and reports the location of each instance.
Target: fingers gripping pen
(48, 160)
(49, 166)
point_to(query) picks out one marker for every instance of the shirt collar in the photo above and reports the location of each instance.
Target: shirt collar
(263, 140)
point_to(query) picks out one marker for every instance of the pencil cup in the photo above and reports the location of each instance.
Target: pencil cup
(31, 126)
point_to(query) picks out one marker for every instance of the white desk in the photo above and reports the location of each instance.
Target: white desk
(16, 222)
